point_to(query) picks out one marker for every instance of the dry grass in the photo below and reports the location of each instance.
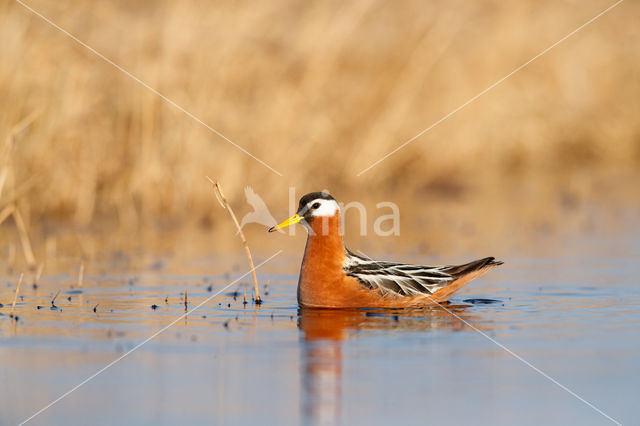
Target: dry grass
(225, 205)
(317, 90)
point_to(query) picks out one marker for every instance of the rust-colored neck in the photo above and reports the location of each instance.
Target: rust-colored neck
(321, 270)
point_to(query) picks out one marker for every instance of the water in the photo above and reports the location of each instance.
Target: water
(573, 313)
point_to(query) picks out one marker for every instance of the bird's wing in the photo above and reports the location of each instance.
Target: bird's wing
(397, 278)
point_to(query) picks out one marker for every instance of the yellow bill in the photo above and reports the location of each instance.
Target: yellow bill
(291, 221)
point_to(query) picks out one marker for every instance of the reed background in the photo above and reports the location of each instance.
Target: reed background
(319, 91)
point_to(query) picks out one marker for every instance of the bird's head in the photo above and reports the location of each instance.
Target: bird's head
(311, 206)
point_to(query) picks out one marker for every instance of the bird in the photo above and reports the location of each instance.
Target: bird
(260, 213)
(332, 276)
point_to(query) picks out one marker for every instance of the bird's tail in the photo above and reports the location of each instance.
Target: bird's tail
(462, 274)
(460, 271)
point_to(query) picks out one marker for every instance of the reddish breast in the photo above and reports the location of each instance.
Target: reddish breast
(322, 280)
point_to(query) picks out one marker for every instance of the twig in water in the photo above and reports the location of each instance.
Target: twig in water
(53, 301)
(15, 297)
(185, 301)
(225, 205)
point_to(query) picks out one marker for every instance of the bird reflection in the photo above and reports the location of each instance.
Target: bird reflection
(324, 331)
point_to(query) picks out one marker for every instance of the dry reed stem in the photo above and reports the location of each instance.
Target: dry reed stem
(11, 257)
(15, 297)
(6, 212)
(22, 232)
(18, 128)
(225, 204)
(4, 173)
(38, 274)
(51, 253)
(81, 275)
(16, 193)
(24, 239)
(10, 142)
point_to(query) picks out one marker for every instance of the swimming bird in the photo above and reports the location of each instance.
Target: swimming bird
(331, 276)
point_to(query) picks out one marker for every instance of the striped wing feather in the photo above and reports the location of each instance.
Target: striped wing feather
(407, 280)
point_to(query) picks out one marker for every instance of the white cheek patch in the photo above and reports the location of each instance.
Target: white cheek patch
(327, 208)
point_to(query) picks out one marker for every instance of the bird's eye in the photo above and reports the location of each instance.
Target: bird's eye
(315, 205)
